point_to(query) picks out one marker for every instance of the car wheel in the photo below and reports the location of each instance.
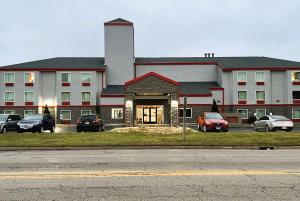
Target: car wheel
(267, 129)
(19, 131)
(199, 127)
(204, 129)
(41, 129)
(4, 130)
(52, 129)
(254, 127)
(78, 131)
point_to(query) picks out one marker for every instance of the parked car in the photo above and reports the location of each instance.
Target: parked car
(90, 123)
(8, 122)
(212, 121)
(273, 123)
(36, 123)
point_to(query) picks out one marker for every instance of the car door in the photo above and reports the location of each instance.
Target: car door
(46, 121)
(262, 122)
(12, 123)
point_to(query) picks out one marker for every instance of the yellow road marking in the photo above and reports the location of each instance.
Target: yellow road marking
(93, 174)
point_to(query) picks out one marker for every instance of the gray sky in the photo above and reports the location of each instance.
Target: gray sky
(40, 29)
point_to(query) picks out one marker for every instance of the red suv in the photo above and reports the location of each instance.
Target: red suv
(212, 121)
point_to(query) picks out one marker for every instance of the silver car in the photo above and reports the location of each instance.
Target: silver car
(273, 123)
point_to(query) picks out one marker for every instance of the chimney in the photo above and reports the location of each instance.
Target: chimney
(208, 54)
(205, 55)
(212, 54)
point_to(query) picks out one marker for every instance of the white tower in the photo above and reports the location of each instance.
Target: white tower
(119, 51)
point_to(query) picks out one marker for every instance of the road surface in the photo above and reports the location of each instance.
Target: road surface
(152, 174)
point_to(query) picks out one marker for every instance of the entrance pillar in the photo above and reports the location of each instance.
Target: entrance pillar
(129, 110)
(174, 110)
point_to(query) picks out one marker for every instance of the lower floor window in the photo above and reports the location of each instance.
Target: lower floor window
(86, 112)
(243, 113)
(188, 112)
(28, 113)
(65, 114)
(9, 112)
(260, 113)
(296, 113)
(117, 113)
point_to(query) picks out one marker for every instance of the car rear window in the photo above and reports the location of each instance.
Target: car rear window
(278, 117)
(213, 116)
(88, 118)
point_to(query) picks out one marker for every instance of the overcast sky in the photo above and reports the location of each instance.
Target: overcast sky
(40, 29)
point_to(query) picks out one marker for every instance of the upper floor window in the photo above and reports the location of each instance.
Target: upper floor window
(260, 76)
(242, 76)
(260, 95)
(242, 95)
(86, 96)
(29, 77)
(65, 96)
(296, 76)
(9, 96)
(85, 77)
(28, 96)
(9, 77)
(65, 77)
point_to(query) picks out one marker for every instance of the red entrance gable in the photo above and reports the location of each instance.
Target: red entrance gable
(152, 74)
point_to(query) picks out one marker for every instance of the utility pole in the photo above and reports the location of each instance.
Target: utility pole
(184, 118)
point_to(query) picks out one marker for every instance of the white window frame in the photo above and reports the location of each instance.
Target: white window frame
(70, 77)
(237, 76)
(60, 114)
(86, 92)
(293, 113)
(25, 77)
(86, 73)
(238, 95)
(27, 111)
(237, 111)
(265, 95)
(29, 92)
(187, 109)
(13, 111)
(10, 92)
(261, 109)
(10, 73)
(264, 76)
(117, 108)
(90, 111)
(65, 92)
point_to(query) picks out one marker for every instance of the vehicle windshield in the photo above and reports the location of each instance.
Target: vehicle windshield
(88, 118)
(3, 117)
(213, 116)
(278, 117)
(34, 117)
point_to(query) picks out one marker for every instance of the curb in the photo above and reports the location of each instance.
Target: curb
(145, 147)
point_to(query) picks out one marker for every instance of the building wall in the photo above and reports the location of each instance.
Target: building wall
(119, 54)
(112, 101)
(181, 73)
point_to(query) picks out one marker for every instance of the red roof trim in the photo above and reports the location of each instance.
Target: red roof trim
(196, 95)
(216, 89)
(175, 63)
(152, 74)
(51, 69)
(262, 68)
(112, 95)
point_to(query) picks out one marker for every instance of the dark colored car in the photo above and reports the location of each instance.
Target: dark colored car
(212, 121)
(8, 122)
(36, 123)
(90, 123)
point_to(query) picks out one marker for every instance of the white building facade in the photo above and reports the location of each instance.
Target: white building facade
(128, 90)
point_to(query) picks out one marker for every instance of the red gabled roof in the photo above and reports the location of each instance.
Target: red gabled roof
(152, 74)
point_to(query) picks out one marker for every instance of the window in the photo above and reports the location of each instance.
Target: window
(264, 118)
(85, 77)
(65, 77)
(9, 77)
(295, 76)
(29, 77)
(242, 95)
(260, 113)
(117, 113)
(243, 113)
(9, 96)
(86, 96)
(296, 113)
(296, 94)
(86, 112)
(242, 76)
(65, 114)
(28, 96)
(260, 76)
(9, 112)
(65, 96)
(28, 113)
(188, 112)
(260, 95)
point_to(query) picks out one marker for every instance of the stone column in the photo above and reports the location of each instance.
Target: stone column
(129, 110)
(174, 110)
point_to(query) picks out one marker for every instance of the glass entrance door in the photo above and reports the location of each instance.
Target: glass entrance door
(150, 115)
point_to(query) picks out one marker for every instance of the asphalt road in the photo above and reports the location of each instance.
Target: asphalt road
(150, 175)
